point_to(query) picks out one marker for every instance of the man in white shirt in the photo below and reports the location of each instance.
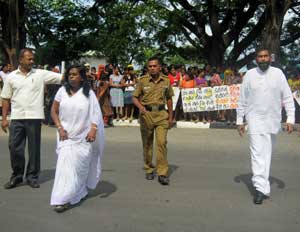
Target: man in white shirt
(4, 71)
(24, 90)
(263, 93)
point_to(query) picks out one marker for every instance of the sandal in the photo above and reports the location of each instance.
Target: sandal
(61, 208)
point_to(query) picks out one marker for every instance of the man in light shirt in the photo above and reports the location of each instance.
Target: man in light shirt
(263, 93)
(24, 90)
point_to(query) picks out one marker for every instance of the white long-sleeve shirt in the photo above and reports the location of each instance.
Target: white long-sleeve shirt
(263, 94)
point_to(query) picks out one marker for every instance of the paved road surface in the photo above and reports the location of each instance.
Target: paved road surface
(210, 188)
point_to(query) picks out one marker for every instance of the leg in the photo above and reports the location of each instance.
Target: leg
(261, 152)
(125, 113)
(147, 140)
(17, 141)
(131, 110)
(161, 151)
(33, 130)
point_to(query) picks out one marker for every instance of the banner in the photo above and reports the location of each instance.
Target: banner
(175, 98)
(234, 91)
(209, 99)
(222, 97)
(197, 100)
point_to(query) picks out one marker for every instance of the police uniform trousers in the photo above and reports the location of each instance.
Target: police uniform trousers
(261, 146)
(19, 130)
(155, 123)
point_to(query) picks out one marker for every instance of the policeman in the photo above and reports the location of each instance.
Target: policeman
(152, 93)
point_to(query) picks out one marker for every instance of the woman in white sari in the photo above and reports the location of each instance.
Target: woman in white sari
(80, 140)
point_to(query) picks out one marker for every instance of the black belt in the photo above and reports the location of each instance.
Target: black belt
(155, 107)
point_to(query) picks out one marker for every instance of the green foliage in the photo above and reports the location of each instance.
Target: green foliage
(59, 30)
(127, 31)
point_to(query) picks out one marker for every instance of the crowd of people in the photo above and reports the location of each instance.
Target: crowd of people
(114, 87)
(85, 100)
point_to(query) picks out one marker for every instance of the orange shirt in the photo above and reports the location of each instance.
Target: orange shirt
(187, 84)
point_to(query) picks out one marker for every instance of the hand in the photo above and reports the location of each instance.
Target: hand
(63, 135)
(289, 128)
(4, 125)
(91, 136)
(143, 110)
(241, 130)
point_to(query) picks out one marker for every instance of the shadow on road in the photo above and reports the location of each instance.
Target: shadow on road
(104, 189)
(246, 179)
(46, 175)
(172, 169)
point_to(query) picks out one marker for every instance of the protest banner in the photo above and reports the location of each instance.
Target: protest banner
(209, 99)
(189, 100)
(234, 91)
(176, 91)
(222, 97)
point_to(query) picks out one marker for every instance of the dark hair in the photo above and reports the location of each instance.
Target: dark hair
(190, 74)
(261, 48)
(84, 84)
(22, 52)
(3, 65)
(155, 58)
(172, 66)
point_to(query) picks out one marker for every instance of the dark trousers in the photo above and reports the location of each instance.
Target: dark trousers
(19, 130)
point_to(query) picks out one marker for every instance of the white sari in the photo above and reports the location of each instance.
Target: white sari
(79, 162)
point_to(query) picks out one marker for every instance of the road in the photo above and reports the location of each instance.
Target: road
(210, 188)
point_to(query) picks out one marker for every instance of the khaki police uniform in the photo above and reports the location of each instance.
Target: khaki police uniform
(153, 96)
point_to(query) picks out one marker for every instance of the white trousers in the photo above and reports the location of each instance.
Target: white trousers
(261, 152)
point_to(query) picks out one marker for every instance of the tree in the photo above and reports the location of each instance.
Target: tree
(236, 27)
(59, 30)
(12, 32)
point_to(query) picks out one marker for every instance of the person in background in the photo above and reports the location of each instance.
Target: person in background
(116, 92)
(200, 82)
(4, 71)
(216, 81)
(103, 95)
(173, 76)
(187, 83)
(129, 82)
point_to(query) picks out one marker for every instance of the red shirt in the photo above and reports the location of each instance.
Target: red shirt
(174, 80)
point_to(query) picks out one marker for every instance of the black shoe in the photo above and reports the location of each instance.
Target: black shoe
(150, 176)
(259, 197)
(13, 182)
(33, 183)
(61, 208)
(164, 180)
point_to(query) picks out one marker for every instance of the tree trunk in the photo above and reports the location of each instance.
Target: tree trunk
(275, 13)
(214, 52)
(13, 33)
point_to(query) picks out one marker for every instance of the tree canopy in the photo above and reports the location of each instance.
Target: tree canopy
(216, 32)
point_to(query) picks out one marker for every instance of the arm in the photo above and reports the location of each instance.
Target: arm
(240, 111)
(111, 84)
(55, 116)
(288, 103)
(170, 111)
(51, 77)
(101, 90)
(137, 103)
(5, 109)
